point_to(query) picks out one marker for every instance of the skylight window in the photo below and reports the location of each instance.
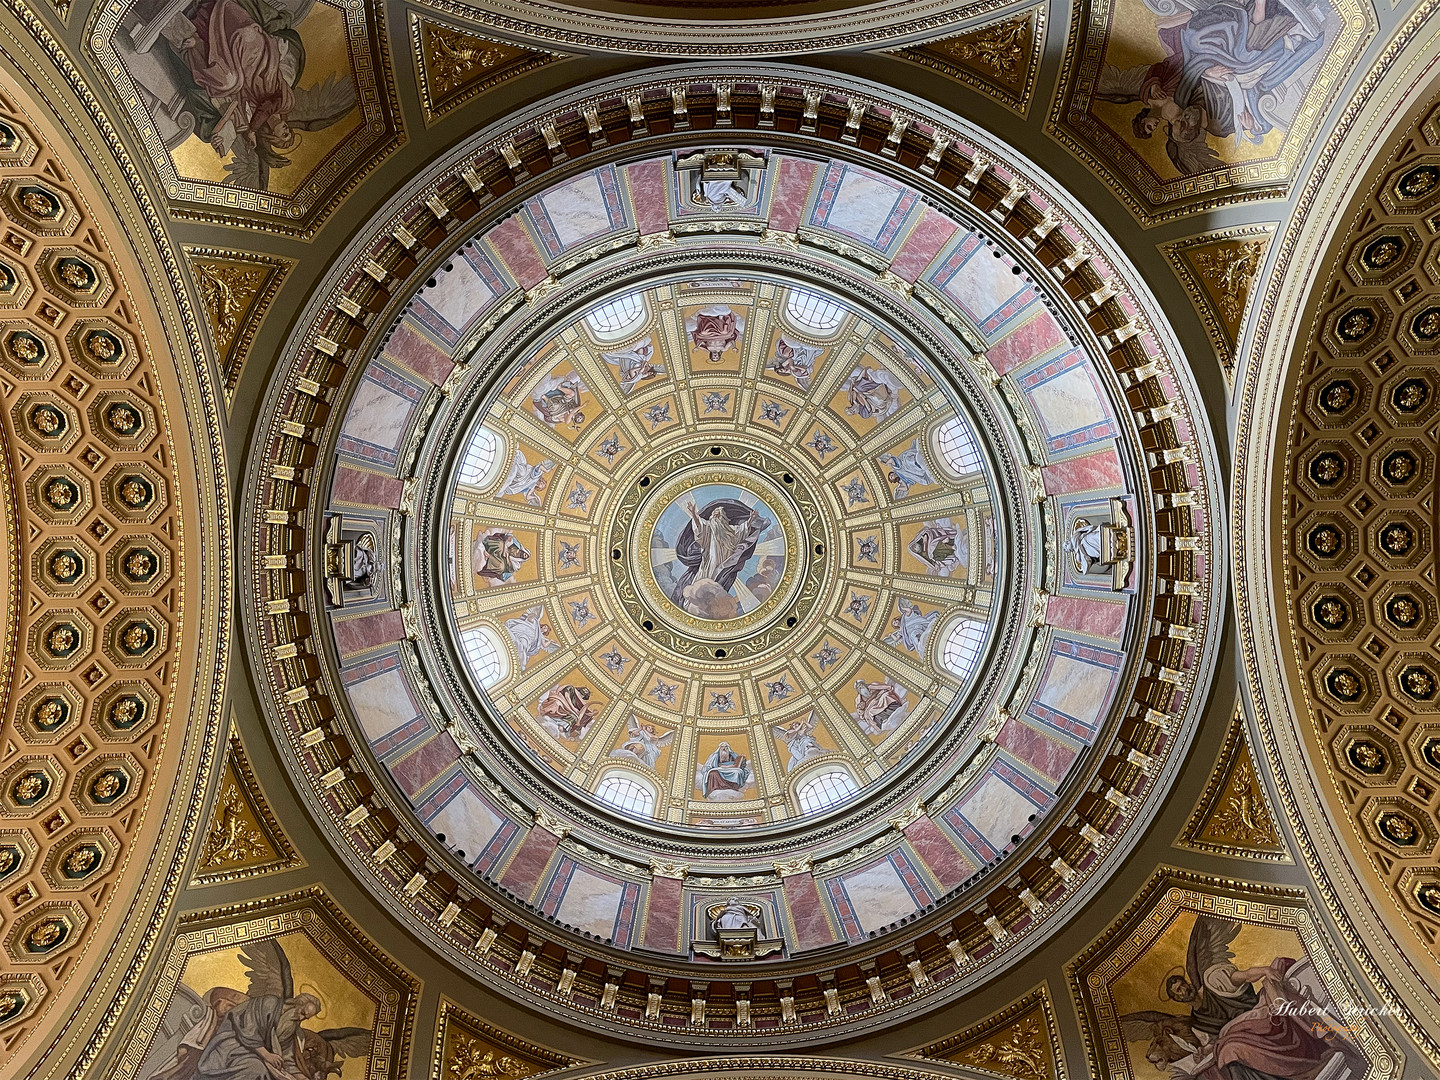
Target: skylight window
(825, 789)
(486, 658)
(813, 311)
(626, 793)
(482, 456)
(961, 652)
(616, 318)
(956, 443)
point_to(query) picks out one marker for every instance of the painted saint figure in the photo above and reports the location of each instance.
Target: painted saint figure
(907, 469)
(799, 737)
(795, 359)
(879, 706)
(714, 548)
(531, 635)
(910, 627)
(527, 480)
(871, 394)
(496, 555)
(724, 775)
(557, 401)
(715, 330)
(642, 743)
(565, 711)
(939, 546)
(634, 365)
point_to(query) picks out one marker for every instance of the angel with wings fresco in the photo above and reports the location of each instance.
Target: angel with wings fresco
(259, 1033)
(237, 65)
(1282, 1031)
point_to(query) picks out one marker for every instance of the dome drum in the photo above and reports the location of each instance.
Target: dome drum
(877, 488)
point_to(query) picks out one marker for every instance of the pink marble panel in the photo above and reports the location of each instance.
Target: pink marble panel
(1088, 473)
(922, 245)
(662, 915)
(419, 353)
(352, 635)
(647, 196)
(938, 852)
(1039, 751)
(517, 251)
(807, 913)
(1034, 337)
(529, 863)
(416, 770)
(792, 191)
(366, 488)
(1086, 615)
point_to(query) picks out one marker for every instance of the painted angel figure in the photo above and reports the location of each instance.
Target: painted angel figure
(642, 743)
(795, 359)
(871, 393)
(235, 66)
(799, 738)
(528, 480)
(565, 711)
(879, 706)
(907, 469)
(557, 401)
(911, 628)
(531, 635)
(259, 1033)
(634, 365)
(724, 775)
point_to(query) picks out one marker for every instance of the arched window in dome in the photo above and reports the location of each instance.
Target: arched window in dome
(486, 657)
(813, 311)
(824, 789)
(956, 446)
(481, 461)
(616, 317)
(626, 791)
(960, 653)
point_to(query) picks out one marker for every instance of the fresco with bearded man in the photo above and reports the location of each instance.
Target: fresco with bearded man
(271, 106)
(1176, 101)
(292, 991)
(1215, 980)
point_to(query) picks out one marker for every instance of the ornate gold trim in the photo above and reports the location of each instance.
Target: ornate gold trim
(235, 307)
(1004, 1044)
(435, 43)
(1219, 271)
(1233, 815)
(1000, 58)
(230, 851)
(489, 1051)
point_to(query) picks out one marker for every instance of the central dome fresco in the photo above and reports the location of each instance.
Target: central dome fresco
(722, 554)
(738, 583)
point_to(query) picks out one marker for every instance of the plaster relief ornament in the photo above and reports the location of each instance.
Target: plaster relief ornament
(529, 481)
(496, 555)
(720, 181)
(724, 776)
(634, 365)
(1096, 546)
(715, 330)
(643, 743)
(795, 360)
(350, 562)
(530, 635)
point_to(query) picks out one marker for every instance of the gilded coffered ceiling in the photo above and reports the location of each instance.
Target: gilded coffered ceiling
(735, 513)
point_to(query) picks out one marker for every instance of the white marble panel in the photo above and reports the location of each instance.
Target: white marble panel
(382, 703)
(997, 811)
(377, 415)
(1076, 689)
(878, 896)
(467, 822)
(577, 209)
(863, 204)
(591, 903)
(459, 294)
(1068, 402)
